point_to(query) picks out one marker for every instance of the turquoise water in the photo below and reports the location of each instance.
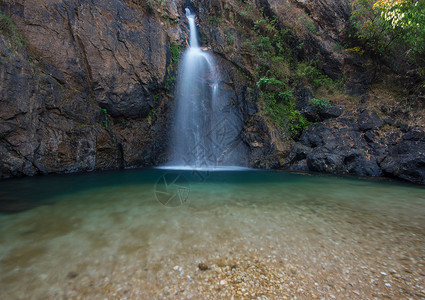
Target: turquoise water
(140, 234)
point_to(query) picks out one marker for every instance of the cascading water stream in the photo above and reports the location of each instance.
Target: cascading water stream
(199, 131)
(192, 27)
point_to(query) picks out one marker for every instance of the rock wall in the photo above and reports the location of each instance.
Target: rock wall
(117, 54)
(92, 88)
(86, 91)
(363, 136)
(44, 127)
(362, 144)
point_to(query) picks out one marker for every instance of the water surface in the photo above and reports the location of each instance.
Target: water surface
(141, 234)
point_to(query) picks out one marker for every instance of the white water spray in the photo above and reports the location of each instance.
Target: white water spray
(201, 133)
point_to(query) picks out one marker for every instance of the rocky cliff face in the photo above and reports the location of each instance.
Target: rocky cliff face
(45, 127)
(367, 134)
(91, 88)
(86, 91)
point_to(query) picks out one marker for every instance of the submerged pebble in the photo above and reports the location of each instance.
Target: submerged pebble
(203, 266)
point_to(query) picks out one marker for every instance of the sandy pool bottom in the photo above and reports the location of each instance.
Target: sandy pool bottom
(326, 240)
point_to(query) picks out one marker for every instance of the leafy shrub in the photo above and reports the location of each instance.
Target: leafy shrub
(175, 53)
(9, 30)
(382, 26)
(321, 103)
(105, 120)
(309, 74)
(272, 83)
(389, 27)
(169, 82)
(280, 108)
(405, 18)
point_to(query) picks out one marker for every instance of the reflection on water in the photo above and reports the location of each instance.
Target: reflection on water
(262, 234)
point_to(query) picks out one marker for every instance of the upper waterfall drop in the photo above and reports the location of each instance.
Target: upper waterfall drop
(205, 134)
(192, 27)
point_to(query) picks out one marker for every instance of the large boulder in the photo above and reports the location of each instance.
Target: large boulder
(337, 146)
(406, 159)
(368, 120)
(349, 145)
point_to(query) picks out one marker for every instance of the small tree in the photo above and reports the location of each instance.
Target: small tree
(406, 20)
(383, 27)
(372, 32)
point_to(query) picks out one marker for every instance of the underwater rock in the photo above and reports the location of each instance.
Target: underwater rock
(71, 275)
(14, 205)
(203, 266)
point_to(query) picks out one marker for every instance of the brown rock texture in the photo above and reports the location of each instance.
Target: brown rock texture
(86, 89)
(116, 53)
(44, 126)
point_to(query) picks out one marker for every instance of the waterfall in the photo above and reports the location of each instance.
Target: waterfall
(202, 136)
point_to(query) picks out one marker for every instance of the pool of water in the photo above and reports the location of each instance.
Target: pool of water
(146, 234)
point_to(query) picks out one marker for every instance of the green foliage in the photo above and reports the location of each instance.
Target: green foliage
(309, 24)
(321, 103)
(170, 81)
(381, 27)
(9, 30)
(263, 44)
(105, 120)
(170, 21)
(276, 58)
(152, 112)
(281, 68)
(267, 83)
(152, 115)
(390, 27)
(309, 74)
(175, 53)
(280, 107)
(297, 123)
(278, 73)
(271, 49)
(370, 30)
(405, 18)
(229, 43)
(230, 40)
(311, 27)
(271, 37)
(155, 99)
